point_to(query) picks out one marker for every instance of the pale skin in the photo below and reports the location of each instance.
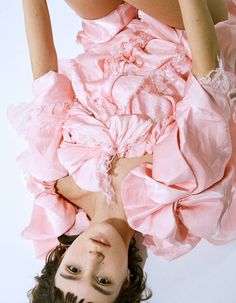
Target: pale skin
(42, 50)
(96, 272)
(168, 12)
(85, 262)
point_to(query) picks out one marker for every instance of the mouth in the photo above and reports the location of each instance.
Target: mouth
(100, 241)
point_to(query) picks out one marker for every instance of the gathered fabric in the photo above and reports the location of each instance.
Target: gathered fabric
(132, 92)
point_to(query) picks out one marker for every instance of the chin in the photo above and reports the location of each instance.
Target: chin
(108, 230)
(105, 226)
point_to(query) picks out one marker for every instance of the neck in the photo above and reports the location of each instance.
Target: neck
(113, 214)
(98, 210)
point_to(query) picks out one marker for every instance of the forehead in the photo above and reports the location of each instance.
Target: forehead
(87, 290)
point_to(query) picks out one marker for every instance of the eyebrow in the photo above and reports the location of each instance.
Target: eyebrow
(101, 290)
(96, 287)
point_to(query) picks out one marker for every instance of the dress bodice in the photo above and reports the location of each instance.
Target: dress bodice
(132, 92)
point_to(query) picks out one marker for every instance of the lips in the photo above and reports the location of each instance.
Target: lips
(101, 241)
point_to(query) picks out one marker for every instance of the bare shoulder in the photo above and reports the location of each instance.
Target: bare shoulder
(168, 11)
(93, 9)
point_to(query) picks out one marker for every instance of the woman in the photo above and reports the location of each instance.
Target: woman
(120, 120)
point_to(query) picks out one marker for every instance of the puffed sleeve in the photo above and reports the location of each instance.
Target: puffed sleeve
(188, 193)
(40, 123)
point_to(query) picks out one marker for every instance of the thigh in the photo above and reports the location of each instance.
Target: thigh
(218, 10)
(93, 9)
(168, 11)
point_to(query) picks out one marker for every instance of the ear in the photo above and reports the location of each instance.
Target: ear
(127, 281)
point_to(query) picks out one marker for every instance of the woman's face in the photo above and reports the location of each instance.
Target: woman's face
(93, 271)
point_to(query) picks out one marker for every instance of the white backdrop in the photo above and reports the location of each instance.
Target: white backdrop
(205, 275)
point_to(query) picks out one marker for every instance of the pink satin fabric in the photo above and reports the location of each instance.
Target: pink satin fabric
(132, 92)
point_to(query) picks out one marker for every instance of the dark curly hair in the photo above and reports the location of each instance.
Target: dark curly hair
(45, 290)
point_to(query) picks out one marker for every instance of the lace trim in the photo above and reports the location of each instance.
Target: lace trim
(216, 78)
(105, 180)
(46, 118)
(220, 82)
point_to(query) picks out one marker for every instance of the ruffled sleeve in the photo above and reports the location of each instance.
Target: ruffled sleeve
(220, 85)
(39, 122)
(51, 217)
(187, 193)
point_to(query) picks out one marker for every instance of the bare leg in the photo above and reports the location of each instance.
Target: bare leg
(168, 11)
(93, 9)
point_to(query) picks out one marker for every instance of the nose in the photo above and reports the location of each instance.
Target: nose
(97, 255)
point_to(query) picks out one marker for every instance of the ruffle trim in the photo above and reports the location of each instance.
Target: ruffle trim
(51, 217)
(222, 85)
(45, 118)
(216, 78)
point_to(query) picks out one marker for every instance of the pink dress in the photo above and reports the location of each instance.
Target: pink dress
(132, 92)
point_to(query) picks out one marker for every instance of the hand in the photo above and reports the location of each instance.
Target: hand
(121, 167)
(67, 188)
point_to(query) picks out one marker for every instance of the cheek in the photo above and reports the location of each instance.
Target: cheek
(79, 245)
(118, 262)
(75, 253)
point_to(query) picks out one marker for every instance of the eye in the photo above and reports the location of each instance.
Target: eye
(103, 281)
(72, 269)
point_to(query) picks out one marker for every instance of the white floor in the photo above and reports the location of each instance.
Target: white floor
(206, 275)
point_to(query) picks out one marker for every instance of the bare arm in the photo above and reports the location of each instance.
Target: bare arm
(39, 35)
(201, 35)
